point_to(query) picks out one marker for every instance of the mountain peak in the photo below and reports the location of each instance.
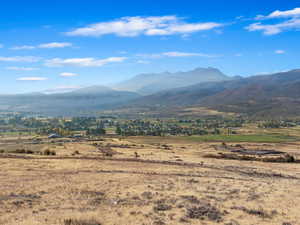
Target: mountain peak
(151, 83)
(207, 69)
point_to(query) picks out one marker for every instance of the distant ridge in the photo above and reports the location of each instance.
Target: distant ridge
(262, 95)
(266, 96)
(150, 83)
(87, 100)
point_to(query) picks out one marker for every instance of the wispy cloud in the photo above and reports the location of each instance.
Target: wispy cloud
(82, 62)
(135, 26)
(281, 14)
(291, 22)
(1, 45)
(271, 29)
(176, 54)
(185, 54)
(21, 68)
(19, 59)
(23, 47)
(280, 52)
(55, 45)
(32, 78)
(45, 45)
(68, 74)
(143, 62)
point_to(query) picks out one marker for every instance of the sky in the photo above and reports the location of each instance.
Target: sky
(59, 45)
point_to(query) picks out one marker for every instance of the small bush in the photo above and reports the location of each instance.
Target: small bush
(80, 222)
(204, 211)
(76, 153)
(257, 212)
(22, 151)
(161, 206)
(48, 152)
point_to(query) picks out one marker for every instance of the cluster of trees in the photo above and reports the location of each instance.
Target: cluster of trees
(89, 125)
(158, 128)
(278, 124)
(219, 123)
(60, 126)
(139, 127)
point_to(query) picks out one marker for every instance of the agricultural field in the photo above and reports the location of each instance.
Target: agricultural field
(112, 180)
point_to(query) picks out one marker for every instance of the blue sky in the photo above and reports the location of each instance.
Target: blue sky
(60, 45)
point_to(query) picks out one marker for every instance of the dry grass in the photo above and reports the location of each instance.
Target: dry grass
(162, 186)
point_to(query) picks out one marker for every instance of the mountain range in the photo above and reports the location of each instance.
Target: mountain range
(151, 83)
(265, 96)
(272, 95)
(76, 102)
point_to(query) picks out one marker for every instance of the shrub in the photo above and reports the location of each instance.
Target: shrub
(76, 153)
(22, 151)
(48, 152)
(80, 222)
(204, 211)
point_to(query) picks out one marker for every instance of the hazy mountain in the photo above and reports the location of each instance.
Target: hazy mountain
(264, 95)
(88, 99)
(153, 82)
(96, 89)
(267, 95)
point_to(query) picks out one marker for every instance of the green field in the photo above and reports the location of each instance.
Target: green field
(242, 138)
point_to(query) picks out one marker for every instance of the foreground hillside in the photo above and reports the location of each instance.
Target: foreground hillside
(145, 181)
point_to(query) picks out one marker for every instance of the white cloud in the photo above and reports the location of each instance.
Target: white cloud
(143, 62)
(67, 74)
(291, 22)
(238, 54)
(281, 14)
(45, 45)
(280, 52)
(151, 56)
(23, 47)
(271, 29)
(176, 54)
(1, 45)
(21, 68)
(82, 62)
(19, 59)
(55, 45)
(134, 26)
(185, 54)
(32, 78)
